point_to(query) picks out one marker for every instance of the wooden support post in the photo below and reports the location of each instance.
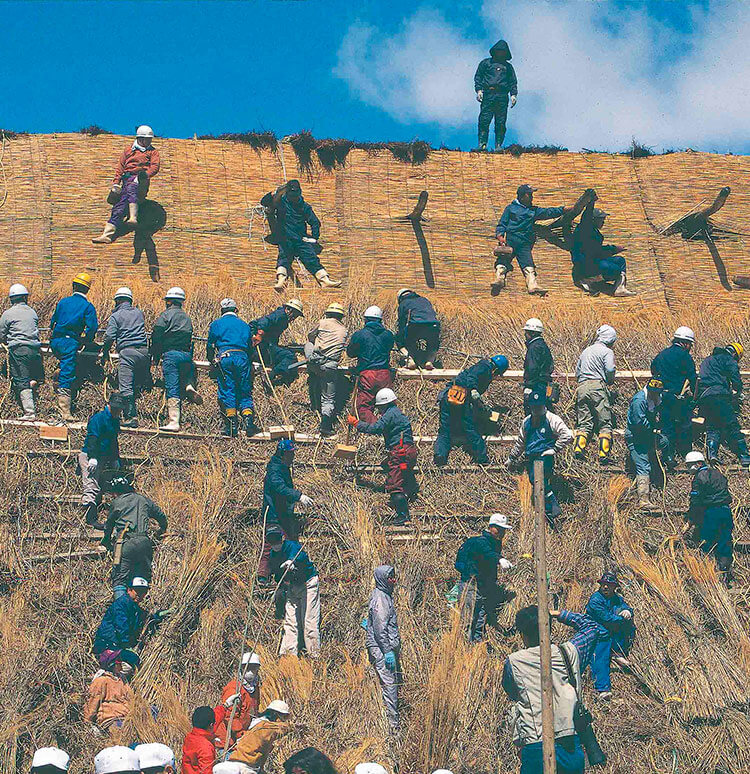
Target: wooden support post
(545, 647)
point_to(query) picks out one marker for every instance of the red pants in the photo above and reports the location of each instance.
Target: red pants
(367, 387)
(399, 467)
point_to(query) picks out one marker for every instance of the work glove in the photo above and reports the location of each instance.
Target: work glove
(480, 95)
(352, 420)
(505, 564)
(231, 700)
(548, 453)
(390, 661)
(288, 566)
(513, 100)
(309, 240)
(257, 338)
(92, 465)
(626, 614)
(305, 501)
(501, 239)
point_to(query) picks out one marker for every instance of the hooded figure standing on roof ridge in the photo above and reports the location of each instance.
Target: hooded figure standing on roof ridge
(496, 84)
(137, 165)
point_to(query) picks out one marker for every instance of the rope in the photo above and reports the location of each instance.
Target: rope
(270, 384)
(2, 172)
(280, 146)
(260, 211)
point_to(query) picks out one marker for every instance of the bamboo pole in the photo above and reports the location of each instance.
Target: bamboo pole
(545, 647)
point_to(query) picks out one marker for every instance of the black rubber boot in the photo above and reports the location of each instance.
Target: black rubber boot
(250, 427)
(400, 504)
(92, 516)
(326, 426)
(131, 414)
(230, 427)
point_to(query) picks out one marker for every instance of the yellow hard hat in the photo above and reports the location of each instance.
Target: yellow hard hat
(294, 303)
(335, 308)
(83, 278)
(737, 349)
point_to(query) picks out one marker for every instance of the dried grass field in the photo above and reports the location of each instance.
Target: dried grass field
(684, 708)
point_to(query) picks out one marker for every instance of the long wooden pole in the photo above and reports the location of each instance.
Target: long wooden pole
(545, 648)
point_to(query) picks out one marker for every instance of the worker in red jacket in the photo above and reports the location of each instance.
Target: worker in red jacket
(198, 752)
(137, 165)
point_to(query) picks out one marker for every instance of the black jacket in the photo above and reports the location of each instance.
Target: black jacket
(496, 74)
(173, 330)
(372, 347)
(413, 308)
(478, 558)
(719, 375)
(279, 494)
(673, 366)
(710, 489)
(538, 363)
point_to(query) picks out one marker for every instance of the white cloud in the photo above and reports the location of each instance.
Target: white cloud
(590, 75)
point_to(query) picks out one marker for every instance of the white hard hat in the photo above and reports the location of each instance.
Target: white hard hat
(113, 760)
(294, 303)
(500, 520)
(370, 768)
(279, 706)
(139, 583)
(683, 333)
(386, 395)
(17, 290)
(175, 293)
(693, 457)
(250, 658)
(402, 291)
(534, 324)
(606, 334)
(51, 756)
(229, 767)
(124, 292)
(375, 312)
(144, 131)
(442, 771)
(228, 303)
(154, 755)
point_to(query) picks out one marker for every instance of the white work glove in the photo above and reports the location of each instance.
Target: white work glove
(513, 100)
(288, 566)
(310, 240)
(476, 395)
(92, 464)
(548, 453)
(480, 95)
(231, 700)
(305, 501)
(404, 351)
(505, 564)
(626, 614)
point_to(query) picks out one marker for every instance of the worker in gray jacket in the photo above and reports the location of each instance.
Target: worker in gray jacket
(595, 373)
(383, 640)
(126, 534)
(19, 331)
(126, 330)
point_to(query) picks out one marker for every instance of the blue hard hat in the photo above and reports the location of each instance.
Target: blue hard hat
(500, 362)
(285, 445)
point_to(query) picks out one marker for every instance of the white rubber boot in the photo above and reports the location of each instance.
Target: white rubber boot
(133, 214)
(281, 278)
(622, 288)
(325, 281)
(105, 237)
(531, 284)
(173, 410)
(27, 403)
(63, 403)
(500, 272)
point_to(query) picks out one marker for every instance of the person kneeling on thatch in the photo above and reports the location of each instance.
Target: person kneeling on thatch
(592, 258)
(257, 743)
(110, 698)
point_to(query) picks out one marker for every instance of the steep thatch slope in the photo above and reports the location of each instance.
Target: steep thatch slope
(683, 710)
(56, 186)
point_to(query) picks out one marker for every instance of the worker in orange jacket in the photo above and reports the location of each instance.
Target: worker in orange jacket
(198, 752)
(137, 165)
(257, 743)
(245, 692)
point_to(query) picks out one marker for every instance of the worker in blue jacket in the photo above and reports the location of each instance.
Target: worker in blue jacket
(266, 332)
(279, 499)
(459, 403)
(617, 631)
(395, 427)
(100, 453)
(418, 335)
(477, 561)
(495, 84)
(719, 400)
(515, 229)
(293, 215)
(73, 326)
(227, 349)
(675, 367)
(122, 623)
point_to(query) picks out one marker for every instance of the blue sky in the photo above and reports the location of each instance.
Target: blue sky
(590, 74)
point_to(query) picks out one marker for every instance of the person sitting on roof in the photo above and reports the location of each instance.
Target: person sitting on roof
(591, 257)
(137, 165)
(266, 332)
